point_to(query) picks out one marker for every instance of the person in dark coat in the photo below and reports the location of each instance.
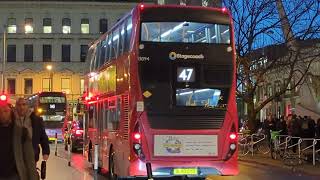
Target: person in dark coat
(35, 127)
(16, 152)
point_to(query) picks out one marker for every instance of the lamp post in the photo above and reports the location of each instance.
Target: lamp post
(49, 68)
(4, 57)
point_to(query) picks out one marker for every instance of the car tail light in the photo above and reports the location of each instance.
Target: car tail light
(79, 132)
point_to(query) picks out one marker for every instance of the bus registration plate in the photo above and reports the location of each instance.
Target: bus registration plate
(185, 171)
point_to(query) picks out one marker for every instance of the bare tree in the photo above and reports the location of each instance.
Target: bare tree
(268, 49)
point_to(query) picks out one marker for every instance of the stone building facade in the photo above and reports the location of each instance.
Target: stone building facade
(55, 33)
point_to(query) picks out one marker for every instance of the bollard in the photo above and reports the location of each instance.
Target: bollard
(56, 144)
(96, 156)
(69, 152)
(149, 171)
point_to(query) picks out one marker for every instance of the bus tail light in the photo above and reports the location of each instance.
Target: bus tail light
(232, 142)
(137, 145)
(141, 7)
(137, 136)
(233, 136)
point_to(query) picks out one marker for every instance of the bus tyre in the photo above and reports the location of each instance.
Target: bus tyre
(112, 174)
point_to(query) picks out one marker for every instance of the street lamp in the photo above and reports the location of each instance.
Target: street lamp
(49, 68)
(4, 57)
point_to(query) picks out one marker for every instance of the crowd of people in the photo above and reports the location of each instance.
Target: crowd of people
(293, 125)
(21, 134)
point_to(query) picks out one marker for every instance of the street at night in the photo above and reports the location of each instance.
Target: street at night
(81, 170)
(159, 89)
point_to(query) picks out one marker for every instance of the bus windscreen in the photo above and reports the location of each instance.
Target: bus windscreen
(185, 32)
(205, 97)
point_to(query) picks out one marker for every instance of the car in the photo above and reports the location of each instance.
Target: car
(73, 132)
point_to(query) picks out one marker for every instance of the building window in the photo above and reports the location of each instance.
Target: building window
(82, 86)
(12, 26)
(65, 55)
(46, 53)
(46, 84)
(83, 52)
(85, 26)
(65, 85)
(47, 26)
(66, 26)
(103, 25)
(11, 86)
(28, 53)
(28, 25)
(11, 53)
(27, 86)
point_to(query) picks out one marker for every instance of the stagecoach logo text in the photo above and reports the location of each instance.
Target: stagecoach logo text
(173, 145)
(174, 55)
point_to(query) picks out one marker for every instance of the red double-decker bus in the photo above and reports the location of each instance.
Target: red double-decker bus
(161, 89)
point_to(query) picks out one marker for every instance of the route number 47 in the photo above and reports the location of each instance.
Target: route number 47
(186, 74)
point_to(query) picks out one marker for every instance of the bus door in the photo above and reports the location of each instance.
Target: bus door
(113, 125)
(100, 117)
(105, 135)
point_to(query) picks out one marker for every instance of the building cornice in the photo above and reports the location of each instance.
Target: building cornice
(65, 4)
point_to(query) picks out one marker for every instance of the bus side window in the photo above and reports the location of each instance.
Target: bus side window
(121, 40)
(107, 50)
(113, 121)
(105, 117)
(115, 42)
(91, 111)
(128, 29)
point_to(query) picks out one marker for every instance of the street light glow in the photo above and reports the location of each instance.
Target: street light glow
(49, 67)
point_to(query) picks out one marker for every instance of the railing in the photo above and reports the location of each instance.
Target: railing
(310, 145)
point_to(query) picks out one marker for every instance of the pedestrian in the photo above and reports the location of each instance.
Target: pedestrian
(318, 129)
(269, 125)
(281, 126)
(35, 127)
(16, 152)
(296, 130)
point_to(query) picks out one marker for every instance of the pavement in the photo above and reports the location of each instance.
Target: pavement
(265, 160)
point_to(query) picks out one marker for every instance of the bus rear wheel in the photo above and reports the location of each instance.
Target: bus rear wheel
(112, 174)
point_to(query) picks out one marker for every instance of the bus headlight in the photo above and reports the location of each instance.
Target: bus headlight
(39, 110)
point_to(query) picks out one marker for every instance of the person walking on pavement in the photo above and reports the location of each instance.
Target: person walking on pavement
(16, 152)
(35, 127)
(296, 130)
